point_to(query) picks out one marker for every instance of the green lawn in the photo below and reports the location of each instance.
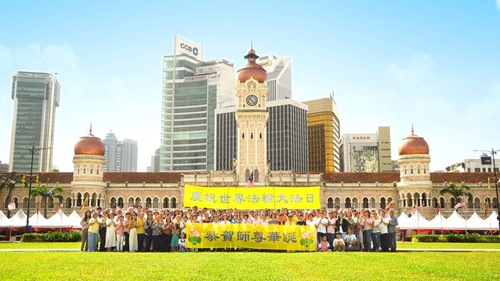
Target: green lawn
(405, 245)
(249, 266)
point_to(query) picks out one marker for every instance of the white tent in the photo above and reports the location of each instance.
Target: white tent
(2, 216)
(437, 222)
(58, 220)
(74, 219)
(37, 220)
(492, 221)
(17, 220)
(402, 220)
(416, 221)
(455, 222)
(475, 222)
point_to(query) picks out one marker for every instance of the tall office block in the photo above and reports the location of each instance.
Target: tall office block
(129, 155)
(36, 96)
(120, 156)
(367, 152)
(192, 90)
(279, 76)
(155, 162)
(324, 135)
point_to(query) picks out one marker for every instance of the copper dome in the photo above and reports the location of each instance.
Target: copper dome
(89, 145)
(252, 69)
(413, 144)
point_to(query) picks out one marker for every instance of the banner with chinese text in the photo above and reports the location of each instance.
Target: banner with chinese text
(302, 198)
(251, 236)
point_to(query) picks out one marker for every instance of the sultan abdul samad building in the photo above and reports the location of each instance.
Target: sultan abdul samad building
(414, 185)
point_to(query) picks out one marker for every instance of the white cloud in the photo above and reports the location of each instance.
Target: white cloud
(419, 69)
(498, 4)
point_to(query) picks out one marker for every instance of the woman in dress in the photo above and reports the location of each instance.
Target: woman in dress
(175, 238)
(110, 233)
(85, 229)
(133, 234)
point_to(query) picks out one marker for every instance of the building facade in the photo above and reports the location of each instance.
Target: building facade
(279, 76)
(192, 90)
(120, 156)
(367, 152)
(475, 165)
(36, 96)
(323, 126)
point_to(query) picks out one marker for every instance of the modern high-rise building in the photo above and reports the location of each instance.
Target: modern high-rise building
(279, 76)
(367, 152)
(155, 162)
(4, 167)
(286, 140)
(482, 164)
(324, 135)
(36, 96)
(192, 90)
(120, 156)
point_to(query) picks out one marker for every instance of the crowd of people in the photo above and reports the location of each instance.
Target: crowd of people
(138, 229)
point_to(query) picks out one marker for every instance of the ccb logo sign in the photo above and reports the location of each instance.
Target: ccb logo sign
(189, 49)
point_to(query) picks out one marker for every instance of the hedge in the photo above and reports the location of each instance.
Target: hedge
(55, 236)
(469, 238)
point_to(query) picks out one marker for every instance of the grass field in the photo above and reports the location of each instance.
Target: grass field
(249, 266)
(405, 245)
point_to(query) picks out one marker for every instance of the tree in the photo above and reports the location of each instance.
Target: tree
(10, 183)
(47, 193)
(456, 191)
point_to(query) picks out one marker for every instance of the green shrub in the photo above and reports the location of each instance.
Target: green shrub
(54, 236)
(470, 238)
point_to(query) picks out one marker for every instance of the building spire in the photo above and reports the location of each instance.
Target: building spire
(412, 131)
(90, 130)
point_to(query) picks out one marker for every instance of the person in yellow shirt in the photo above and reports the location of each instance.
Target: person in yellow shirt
(140, 231)
(93, 232)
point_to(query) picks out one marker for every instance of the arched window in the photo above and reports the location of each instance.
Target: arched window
(477, 204)
(424, 200)
(165, 202)
(68, 202)
(382, 203)
(348, 203)
(155, 203)
(112, 202)
(495, 202)
(174, 202)
(138, 201)
(365, 203)
(434, 202)
(355, 202)
(148, 202)
(452, 202)
(442, 203)
(416, 196)
(470, 203)
(409, 202)
(337, 202)
(487, 202)
(373, 203)
(130, 202)
(330, 203)
(93, 202)
(391, 203)
(120, 202)
(78, 199)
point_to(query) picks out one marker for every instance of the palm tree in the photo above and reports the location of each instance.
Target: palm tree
(9, 182)
(457, 191)
(47, 193)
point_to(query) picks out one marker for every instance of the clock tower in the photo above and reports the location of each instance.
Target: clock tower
(251, 120)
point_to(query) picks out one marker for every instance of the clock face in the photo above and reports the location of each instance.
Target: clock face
(252, 100)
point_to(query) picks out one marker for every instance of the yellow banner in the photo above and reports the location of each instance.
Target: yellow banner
(304, 198)
(251, 236)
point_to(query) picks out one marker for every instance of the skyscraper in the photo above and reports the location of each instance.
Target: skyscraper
(192, 90)
(279, 76)
(324, 135)
(120, 156)
(36, 96)
(367, 152)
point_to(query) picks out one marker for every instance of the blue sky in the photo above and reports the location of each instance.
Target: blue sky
(435, 64)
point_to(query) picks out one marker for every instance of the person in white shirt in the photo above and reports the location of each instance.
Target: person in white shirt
(384, 231)
(350, 240)
(321, 222)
